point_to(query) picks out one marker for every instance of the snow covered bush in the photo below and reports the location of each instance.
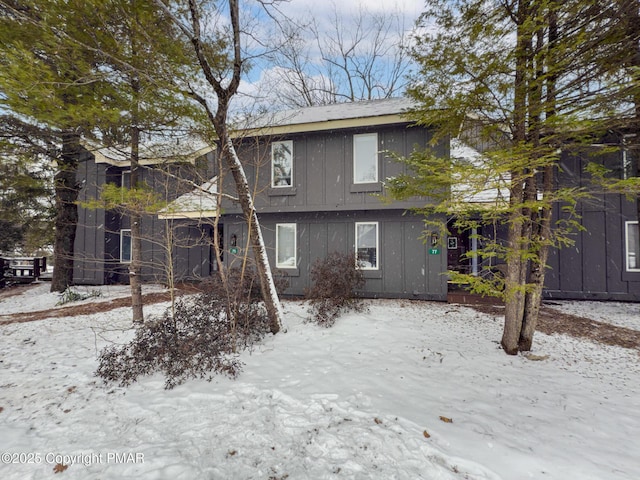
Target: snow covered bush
(335, 281)
(200, 337)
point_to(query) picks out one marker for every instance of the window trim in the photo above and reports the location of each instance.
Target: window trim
(122, 260)
(295, 246)
(355, 163)
(273, 145)
(377, 225)
(627, 256)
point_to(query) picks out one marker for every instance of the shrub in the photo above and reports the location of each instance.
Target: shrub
(335, 280)
(200, 337)
(70, 295)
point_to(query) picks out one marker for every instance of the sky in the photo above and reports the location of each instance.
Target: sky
(322, 13)
(303, 8)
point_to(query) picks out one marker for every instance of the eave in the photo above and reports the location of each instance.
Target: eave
(338, 124)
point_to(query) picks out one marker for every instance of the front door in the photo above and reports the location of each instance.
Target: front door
(458, 245)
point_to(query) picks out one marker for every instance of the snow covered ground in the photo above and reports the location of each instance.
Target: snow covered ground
(616, 313)
(362, 400)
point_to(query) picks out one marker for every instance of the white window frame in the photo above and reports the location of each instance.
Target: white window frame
(122, 235)
(356, 177)
(627, 247)
(377, 227)
(274, 177)
(295, 245)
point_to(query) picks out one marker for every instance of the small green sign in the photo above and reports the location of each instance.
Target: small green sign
(234, 250)
(434, 251)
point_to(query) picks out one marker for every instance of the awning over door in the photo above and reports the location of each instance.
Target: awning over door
(199, 203)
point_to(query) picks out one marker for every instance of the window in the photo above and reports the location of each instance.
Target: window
(365, 158)
(628, 158)
(125, 179)
(125, 246)
(125, 182)
(367, 245)
(632, 250)
(286, 245)
(282, 164)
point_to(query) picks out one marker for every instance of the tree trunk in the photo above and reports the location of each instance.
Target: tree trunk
(515, 277)
(66, 192)
(534, 296)
(514, 293)
(135, 267)
(543, 233)
(267, 285)
(223, 94)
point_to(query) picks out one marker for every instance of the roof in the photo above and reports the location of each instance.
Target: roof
(198, 203)
(309, 119)
(480, 187)
(329, 117)
(156, 151)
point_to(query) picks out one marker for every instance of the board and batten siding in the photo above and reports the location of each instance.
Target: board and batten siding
(323, 170)
(406, 269)
(89, 246)
(594, 266)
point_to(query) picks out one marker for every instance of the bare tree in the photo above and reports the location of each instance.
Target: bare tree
(221, 61)
(358, 57)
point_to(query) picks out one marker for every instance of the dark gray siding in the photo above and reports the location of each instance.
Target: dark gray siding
(97, 246)
(89, 244)
(323, 170)
(594, 267)
(406, 268)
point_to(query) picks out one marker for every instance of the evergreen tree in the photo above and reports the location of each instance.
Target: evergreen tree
(48, 81)
(138, 46)
(517, 79)
(26, 190)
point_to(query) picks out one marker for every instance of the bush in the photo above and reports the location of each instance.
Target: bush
(335, 280)
(70, 295)
(200, 337)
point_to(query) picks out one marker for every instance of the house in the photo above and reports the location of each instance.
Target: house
(316, 174)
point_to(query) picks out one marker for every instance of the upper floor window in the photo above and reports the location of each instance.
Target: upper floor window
(632, 250)
(628, 160)
(365, 158)
(286, 245)
(282, 164)
(367, 245)
(125, 182)
(125, 179)
(125, 246)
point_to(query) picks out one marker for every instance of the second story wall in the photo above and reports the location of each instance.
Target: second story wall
(327, 170)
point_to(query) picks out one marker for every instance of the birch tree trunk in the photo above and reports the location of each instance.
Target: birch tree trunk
(267, 284)
(224, 91)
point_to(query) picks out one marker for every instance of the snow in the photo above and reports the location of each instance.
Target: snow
(361, 400)
(198, 203)
(616, 313)
(40, 298)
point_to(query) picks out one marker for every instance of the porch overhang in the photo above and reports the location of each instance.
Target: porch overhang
(199, 203)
